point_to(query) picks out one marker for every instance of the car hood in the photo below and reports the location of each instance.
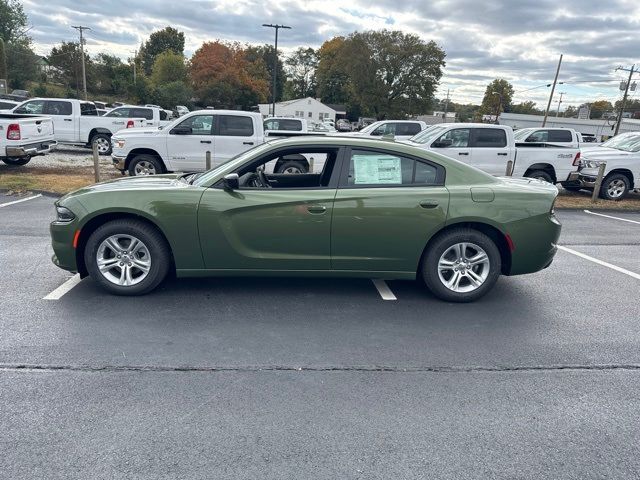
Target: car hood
(151, 182)
(134, 132)
(595, 153)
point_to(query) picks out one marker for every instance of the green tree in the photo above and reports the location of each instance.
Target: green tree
(168, 67)
(66, 61)
(262, 57)
(22, 64)
(161, 41)
(13, 21)
(111, 75)
(301, 68)
(570, 112)
(170, 94)
(331, 75)
(497, 97)
(528, 107)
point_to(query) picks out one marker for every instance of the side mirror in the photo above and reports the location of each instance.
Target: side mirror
(231, 181)
(181, 131)
(442, 143)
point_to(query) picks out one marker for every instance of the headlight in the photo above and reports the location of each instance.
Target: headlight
(118, 143)
(64, 215)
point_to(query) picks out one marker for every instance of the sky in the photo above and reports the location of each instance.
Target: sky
(518, 40)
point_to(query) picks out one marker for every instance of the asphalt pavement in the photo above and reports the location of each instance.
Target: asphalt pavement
(306, 378)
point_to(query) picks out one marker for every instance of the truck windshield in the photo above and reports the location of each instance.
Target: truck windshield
(428, 135)
(627, 142)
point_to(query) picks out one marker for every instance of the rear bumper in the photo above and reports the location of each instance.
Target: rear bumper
(536, 243)
(31, 149)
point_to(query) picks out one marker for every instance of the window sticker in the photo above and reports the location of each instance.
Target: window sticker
(377, 169)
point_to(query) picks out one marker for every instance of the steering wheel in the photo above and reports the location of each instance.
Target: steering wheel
(263, 178)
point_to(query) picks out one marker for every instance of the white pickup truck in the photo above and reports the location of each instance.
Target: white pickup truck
(153, 116)
(400, 129)
(76, 122)
(622, 171)
(23, 137)
(493, 148)
(562, 137)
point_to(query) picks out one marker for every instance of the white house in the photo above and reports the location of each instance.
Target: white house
(308, 108)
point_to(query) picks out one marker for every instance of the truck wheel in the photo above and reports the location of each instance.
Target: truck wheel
(540, 175)
(127, 257)
(615, 187)
(292, 166)
(104, 143)
(16, 161)
(571, 188)
(144, 164)
(461, 265)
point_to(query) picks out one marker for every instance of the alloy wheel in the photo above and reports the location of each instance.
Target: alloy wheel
(463, 267)
(616, 188)
(123, 260)
(103, 145)
(144, 167)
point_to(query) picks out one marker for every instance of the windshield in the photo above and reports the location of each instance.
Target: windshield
(627, 142)
(238, 159)
(370, 128)
(520, 134)
(428, 135)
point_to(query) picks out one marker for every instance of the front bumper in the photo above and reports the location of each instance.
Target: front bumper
(119, 162)
(31, 149)
(64, 254)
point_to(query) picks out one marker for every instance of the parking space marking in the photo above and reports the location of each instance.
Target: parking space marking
(19, 201)
(383, 289)
(610, 216)
(64, 288)
(600, 262)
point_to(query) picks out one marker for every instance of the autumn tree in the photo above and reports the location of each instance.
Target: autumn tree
(261, 57)
(600, 107)
(332, 77)
(301, 68)
(167, 39)
(497, 97)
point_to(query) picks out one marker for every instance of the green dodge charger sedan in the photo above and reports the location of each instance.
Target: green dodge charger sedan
(367, 208)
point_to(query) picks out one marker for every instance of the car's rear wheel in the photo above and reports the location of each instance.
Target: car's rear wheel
(461, 265)
(142, 165)
(16, 161)
(615, 187)
(292, 167)
(540, 175)
(127, 257)
(103, 141)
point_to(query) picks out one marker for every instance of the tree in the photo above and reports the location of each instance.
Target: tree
(161, 41)
(392, 74)
(301, 68)
(262, 57)
(171, 94)
(331, 74)
(498, 101)
(528, 107)
(168, 67)
(570, 112)
(13, 21)
(22, 64)
(111, 75)
(66, 61)
(600, 107)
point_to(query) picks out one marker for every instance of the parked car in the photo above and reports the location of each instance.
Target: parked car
(8, 105)
(100, 105)
(622, 172)
(76, 122)
(343, 125)
(153, 116)
(589, 138)
(493, 148)
(376, 210)
(399, 129)
(23, 137)
(563, 137)
(181, 110)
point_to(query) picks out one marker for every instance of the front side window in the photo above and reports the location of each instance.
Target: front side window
(235, 126)
(119, 113)
(408, 128)
(489, 138)
(385, 129)
(457, 138)
(539, 136)
(34, 107)
(199, 124)
(368, 169)
(55, 107)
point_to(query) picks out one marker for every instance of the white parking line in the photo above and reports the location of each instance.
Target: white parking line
(64, 288)
(600, 262)
(384, 290)
(609, 216)
(19, 201)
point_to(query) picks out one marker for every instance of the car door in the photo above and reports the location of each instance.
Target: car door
(64, 122)
(406, 130)
(455, 143)
(189, 141)
(386, 208)
(234, 134)
(285, 228)
(490, 151)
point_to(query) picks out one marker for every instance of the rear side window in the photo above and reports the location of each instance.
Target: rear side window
(367, 169)
(539, 136)
(408, 128)
(145, 113)
(291, 125)
(88, 109)
(119, 113)
(560, 136)
(55, 107)
(6, 105)
(489, 137)
(235, 126)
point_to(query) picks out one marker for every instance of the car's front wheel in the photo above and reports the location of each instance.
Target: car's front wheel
(127, 257)
(461, 265)
(142, 165)
(615, 187)
(16, 161)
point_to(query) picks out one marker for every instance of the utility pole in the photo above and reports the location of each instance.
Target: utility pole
(80, 28)
(135, 57)
(446, 108)
(276, 27)
(559, 102)
(553, 88)
(624, 97)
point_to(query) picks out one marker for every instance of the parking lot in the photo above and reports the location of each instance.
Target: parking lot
(322, 378)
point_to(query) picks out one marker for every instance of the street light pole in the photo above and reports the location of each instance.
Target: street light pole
(276, 27)
(559, 102)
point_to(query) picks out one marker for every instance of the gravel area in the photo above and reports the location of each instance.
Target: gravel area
(67, 157)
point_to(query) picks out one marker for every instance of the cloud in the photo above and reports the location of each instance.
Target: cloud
(519, 40)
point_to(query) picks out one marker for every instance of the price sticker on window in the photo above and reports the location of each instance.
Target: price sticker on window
(377, 170)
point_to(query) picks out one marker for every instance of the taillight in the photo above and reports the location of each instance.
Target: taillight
(13, 132)
(576, 161)
(130, 124)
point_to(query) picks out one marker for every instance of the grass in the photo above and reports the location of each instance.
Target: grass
(582, 200)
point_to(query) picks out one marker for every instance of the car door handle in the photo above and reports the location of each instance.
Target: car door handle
(68, 120)
(428, 204)
(205, 141)
(247, 143)
(463, 153)
(316, 209)
(502, 154)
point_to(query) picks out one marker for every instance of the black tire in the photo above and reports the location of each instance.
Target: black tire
(293, 166)
(540, 175)
(615, 187)
(16, 161)
(104, 143)
(571, 188)
(159, 253)
(145, 164)
(441, 244)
